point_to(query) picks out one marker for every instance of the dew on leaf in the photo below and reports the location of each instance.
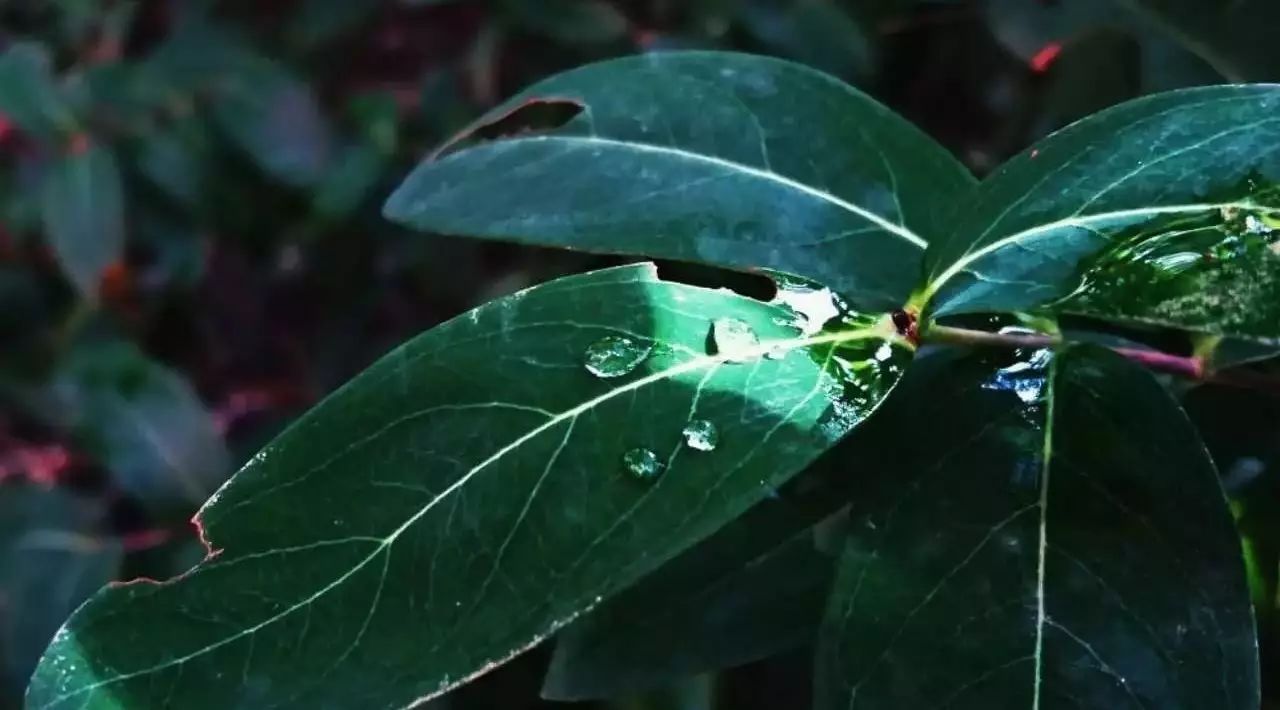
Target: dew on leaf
(615, 356)
(642, 463)
(701, 435)
(734, 339)
(813, 304)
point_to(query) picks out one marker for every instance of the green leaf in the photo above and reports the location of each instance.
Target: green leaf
(82, 205)
(1062, 543)
(1162, 210)
(821, 34)
(145, 423)
(29, 94)
(480, 487)
(753, 589)
(52, 557)
(727, 159)
(1235, 36)
(265, 110)
(571, 21)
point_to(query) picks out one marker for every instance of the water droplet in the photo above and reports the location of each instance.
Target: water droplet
(812, 304)
(701, 435)
(778, 352)
(615, 356)
(642, 463)
(734, 339)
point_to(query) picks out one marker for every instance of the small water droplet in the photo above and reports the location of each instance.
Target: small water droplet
(734, 339)
(777, 352)
(642, 463)
(701, 435)
(615, 356)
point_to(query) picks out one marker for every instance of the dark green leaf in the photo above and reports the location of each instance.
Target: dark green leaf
(52, 557)
(572, 21)
(82, 205)
(1162, 210)
(146, 424)
(753, 589)
(818, 33)
(268, 112)
(480, 487)
(1062, 543)
(29, 95)
(1237, 37)
(727, 159)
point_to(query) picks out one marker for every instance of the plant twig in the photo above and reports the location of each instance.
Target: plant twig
(1190, 367)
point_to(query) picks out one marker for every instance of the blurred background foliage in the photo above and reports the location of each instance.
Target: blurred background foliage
(191, 252)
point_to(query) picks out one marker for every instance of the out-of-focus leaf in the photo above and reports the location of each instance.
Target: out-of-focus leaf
(348, 184)
(174, 158)
(482, 486)
(82, 206)
(145, 423)
(319, 21)
(819, 33)
(52, 557)
(1029, 28)
(267, 111)
(29, 95)
(1236, 36)
(571, 21)
(275, 118)
(1095, 70)
(1062, 541)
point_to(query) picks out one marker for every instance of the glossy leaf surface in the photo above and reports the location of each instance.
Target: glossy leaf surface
(1160, 210)
(82, 205)
(1064, 543)
(728, 159)
(753, 589)
(479, 488)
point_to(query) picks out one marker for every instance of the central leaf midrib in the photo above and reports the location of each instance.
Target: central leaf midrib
(894, 228)
(1081, 221)
(761, 350)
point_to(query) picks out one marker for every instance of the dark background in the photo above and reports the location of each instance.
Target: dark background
(253, 142)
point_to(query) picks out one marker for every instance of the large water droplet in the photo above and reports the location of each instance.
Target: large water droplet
(642, 463)
(813, 304)
(701, 435)
(734, 339)
(615, 356)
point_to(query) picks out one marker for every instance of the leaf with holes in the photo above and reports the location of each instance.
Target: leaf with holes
(479, 487)
(1164, 210)
(1052, 548)
(727, 159)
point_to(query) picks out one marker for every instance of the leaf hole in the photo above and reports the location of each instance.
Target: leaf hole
(751, 285)
(533, 117)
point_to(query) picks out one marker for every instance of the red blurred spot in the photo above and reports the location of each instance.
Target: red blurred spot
(144, 539)
(42, 465)
(1045, 58)
(116, 285)
(644, 39)
(6, 126)
(78, 144)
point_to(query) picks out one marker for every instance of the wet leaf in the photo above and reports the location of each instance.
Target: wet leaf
(753, 589)
(1049, 549)
(471, 486)
(721, 158)
(1162, 210)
